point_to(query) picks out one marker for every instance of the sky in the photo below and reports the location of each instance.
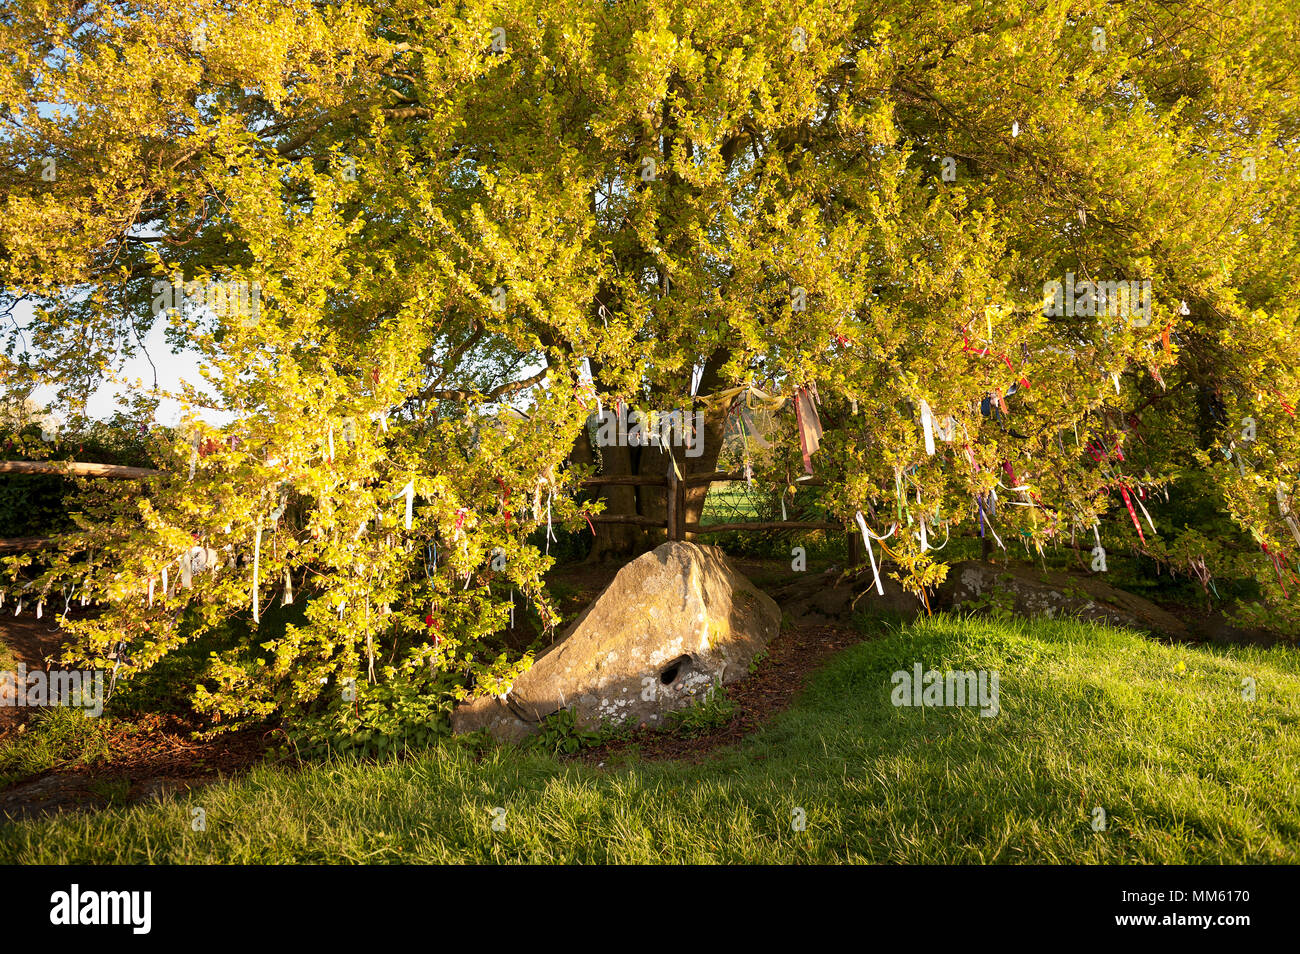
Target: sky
(171, 369)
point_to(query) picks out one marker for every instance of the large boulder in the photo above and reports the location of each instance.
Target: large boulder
(971, 585)
(672, 623)
(1055, 595)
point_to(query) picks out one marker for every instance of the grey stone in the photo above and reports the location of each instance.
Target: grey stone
(491, 713)
(830, 598)
(1055, 595)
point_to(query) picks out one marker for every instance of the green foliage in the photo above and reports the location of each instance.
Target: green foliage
(560, 733)
(713, 710)
(390, 717)
(32, 506)
(997, 603)
(169, 686)
(446, 237)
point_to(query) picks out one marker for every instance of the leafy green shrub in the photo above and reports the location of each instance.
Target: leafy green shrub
(559, 732)
(398, 714)
(999, 604)
(714, 710)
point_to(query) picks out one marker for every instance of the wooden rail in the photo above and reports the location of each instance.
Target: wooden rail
(695, 480)
(625, 480)
(74, 468)
(634, 519)
(693, 527)
(675, 522)
(25, 543)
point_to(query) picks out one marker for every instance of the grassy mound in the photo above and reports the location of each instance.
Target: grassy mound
(1158, 736)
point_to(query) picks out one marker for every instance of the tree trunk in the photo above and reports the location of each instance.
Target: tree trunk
(622, 542)
(614, 541)
(715, 420)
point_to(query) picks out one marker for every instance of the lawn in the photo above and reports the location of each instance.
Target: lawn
(1158, 736)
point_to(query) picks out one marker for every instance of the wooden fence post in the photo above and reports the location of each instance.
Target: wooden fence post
(676, 504)
(680, 491)
(855, 550)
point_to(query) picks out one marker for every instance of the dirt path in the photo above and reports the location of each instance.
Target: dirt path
(30, 641)
(150, 757)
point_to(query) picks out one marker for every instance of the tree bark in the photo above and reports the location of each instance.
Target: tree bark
(615, 541)
(715, 420)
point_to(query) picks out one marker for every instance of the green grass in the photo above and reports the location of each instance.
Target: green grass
(55, 736)
(1157, 735)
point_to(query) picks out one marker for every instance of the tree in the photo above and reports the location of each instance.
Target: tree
(992, 247)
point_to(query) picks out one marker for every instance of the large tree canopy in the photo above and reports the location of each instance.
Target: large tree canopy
(1040, 247)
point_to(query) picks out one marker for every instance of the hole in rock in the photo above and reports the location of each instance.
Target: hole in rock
(674, 669)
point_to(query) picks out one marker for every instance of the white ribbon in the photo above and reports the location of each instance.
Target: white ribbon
(257, 560)
(409, 491)
(946, 533)
(927, 426)
(1138, 500)
(866, 539)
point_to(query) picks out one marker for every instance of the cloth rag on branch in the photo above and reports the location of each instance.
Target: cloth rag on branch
(810, 426)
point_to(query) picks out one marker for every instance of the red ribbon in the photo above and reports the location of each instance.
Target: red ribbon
(1276, 569)
(1132, 513)
(965, 346)
(985, 352)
